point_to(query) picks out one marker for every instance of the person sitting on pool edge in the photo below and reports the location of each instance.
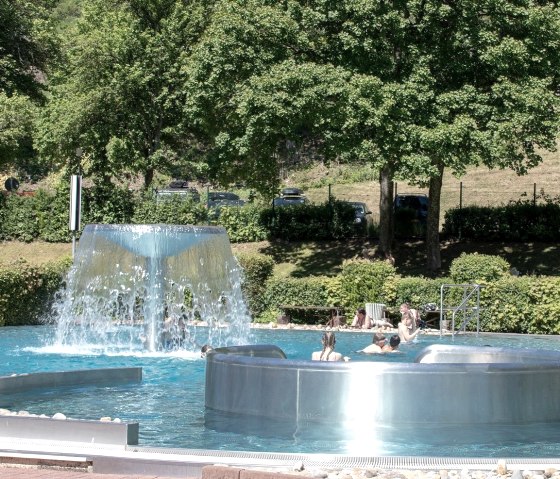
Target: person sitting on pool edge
(328, 353)
(376, 346)
(362, 320)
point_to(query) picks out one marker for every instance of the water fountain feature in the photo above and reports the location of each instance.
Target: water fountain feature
(128, 281)
(155, 279)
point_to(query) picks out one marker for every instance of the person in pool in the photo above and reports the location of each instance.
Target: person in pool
(393, 346)
(376, 346)
(328, 353)
(204, 350)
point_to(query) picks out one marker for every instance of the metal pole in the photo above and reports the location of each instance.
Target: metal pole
(75, 208)
(329, 193)
(460, 195)
(534, 194)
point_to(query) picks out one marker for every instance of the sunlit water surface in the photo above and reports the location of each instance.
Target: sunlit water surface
(169, 403)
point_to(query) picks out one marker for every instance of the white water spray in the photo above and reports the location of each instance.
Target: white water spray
(143, 287)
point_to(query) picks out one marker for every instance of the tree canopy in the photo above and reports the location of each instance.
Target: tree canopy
(412, 87)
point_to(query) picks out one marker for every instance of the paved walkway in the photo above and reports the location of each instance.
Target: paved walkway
(10, 472)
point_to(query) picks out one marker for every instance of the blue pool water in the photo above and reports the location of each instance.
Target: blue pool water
(169, 403)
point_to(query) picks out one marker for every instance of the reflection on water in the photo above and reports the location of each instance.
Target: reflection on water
(405, 439)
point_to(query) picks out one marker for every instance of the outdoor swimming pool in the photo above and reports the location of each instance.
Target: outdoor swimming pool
(169, 403)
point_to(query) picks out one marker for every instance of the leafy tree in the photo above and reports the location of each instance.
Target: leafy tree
(412, 87)
(119, 97)
(16, 127)
(27, 43)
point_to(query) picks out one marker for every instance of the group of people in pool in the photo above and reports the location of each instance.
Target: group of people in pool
(407, 331)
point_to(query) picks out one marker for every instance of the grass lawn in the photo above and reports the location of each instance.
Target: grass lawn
(318, 258)
(299, 259)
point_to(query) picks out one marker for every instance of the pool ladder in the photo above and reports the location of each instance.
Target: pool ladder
(463, 313)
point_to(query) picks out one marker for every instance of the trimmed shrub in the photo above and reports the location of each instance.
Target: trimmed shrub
(20, 221)
(107, 203)
(243, 225)
(27, 292)
(364, 282)
(257, 269)
(544, 295)
(310, 291)
(518, 221)
(476, 268)
(333, 220)
(506, 305)
(419, 291)
(174, 211)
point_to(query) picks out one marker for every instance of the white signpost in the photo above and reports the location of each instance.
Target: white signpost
(75, 207)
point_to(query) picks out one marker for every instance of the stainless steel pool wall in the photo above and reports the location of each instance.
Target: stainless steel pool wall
(31, 427)
(446, 384)
(90, 377)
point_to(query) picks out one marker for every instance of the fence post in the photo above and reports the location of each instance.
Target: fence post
(534, 194)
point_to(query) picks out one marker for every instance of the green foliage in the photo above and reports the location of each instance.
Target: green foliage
(175, 210)
(309, 291)
(418, 291)
(507, 306)
(118, 96)
(27, 292)
(53, 214)
(519, 221)
(107, 203)
(243, 225)
(365, 282)
(268, 316)
(333, 220)
(545, 312)
(20, 220)
(476, 268)
(257, 269)
(16, 129)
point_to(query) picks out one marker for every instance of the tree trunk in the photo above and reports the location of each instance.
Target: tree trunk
(433, 252)
(386, 217)
(148, 177)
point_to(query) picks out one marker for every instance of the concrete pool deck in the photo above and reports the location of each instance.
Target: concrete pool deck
(50, 459)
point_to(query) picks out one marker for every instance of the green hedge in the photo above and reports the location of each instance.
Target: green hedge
(520, 221)
(334, 220)
(312, 291)
(475, 267)
(27, 291)
(243, 225)
(174, 210)
(509, 304)
(364, 282)
(257, 270)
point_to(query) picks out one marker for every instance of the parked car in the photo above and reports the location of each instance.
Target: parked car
(411, 214)
(218, 199)
(364, 217)
(223, 198)
(416, 204)
(290, 197)
(291, 192)
(178, 188)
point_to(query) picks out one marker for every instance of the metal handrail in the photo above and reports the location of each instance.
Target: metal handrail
(462, 306)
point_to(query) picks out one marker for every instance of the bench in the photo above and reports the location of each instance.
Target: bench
(335, 314)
